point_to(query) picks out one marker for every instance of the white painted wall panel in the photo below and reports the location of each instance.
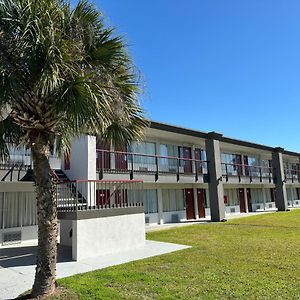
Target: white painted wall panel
(100, 236)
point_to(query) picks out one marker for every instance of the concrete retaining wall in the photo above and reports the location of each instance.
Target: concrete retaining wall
(100, 232)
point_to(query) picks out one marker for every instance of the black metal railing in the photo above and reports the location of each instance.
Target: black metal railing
(77, 195)
(246, 171)
(292, 175)
(134, 163)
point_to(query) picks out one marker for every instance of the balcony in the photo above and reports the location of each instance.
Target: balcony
(17, 158)
(292, 175)
(240, 173)
(137, 164)
(87, 195)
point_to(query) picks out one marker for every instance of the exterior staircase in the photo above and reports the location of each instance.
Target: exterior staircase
(60, 176)
(67, 195)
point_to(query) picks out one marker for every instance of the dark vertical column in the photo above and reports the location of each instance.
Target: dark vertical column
(215, 184)
(279, 180)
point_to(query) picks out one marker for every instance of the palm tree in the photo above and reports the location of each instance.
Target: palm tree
(63, 74)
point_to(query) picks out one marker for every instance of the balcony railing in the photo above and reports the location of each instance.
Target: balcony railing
(292, 175)
(135, 163)
(248, 171)
(80, 195)
(19, 157)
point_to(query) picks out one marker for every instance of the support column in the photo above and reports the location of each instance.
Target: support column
(264, 197)
(112, 157)
(246, 200)
(157, 152)
(193, 158)
(279, 179)
(160, 207)
(298, 171)
(196, 203)
(215, 184)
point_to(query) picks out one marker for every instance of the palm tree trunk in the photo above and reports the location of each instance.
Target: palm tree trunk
(45, 274)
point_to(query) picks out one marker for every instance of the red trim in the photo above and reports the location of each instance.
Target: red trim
(54, 174)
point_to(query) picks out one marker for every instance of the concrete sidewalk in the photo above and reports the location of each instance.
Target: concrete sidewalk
(17, 264)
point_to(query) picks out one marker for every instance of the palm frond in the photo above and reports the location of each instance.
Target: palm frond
(10, 133)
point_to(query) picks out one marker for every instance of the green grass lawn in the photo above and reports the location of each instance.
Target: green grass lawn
(257, 257)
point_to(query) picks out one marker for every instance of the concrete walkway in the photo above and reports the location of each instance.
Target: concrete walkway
(204, 220)
(17, 264)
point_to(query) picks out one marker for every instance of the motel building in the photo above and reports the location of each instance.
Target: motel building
(174, 175)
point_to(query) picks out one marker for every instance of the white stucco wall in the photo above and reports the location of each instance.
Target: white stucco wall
(270, 206)
(153, 219)
(28, 233)
(83, 165)
(19, 186)
(236, 209)
(167, 216)
(294, 203)
(82, 159)
(55, 163)
(100, 236)
(255, 206)
(207, 212)
(65, 232)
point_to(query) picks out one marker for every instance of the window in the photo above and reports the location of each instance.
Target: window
(172, 200)
(253, 162)
(291, 194)
(291, 169)
(148, 197)
(232, 197)
(270, 197)
(257, 196)
(206, 199)
(266, 164)
(19, 155)
(17, 209)
(228, 163)
(150, 201)
(143, 148)
(168, 164)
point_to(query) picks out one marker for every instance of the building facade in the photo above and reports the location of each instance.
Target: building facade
(186, 174)
(190, 175)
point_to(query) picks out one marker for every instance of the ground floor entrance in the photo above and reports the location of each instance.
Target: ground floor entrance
(189, 204)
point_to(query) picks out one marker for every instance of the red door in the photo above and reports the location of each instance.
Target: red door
(198, 163)
(121, 159)
(103, 157)
(189, 203)
(242, 200)
(200, 199)
(249, 200)
(246, 165)
(102, 197)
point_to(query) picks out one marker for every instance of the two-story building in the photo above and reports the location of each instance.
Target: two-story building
(186, 174)
(178, 167)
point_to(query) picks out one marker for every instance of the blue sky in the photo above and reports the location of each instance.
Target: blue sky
(228, 66)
